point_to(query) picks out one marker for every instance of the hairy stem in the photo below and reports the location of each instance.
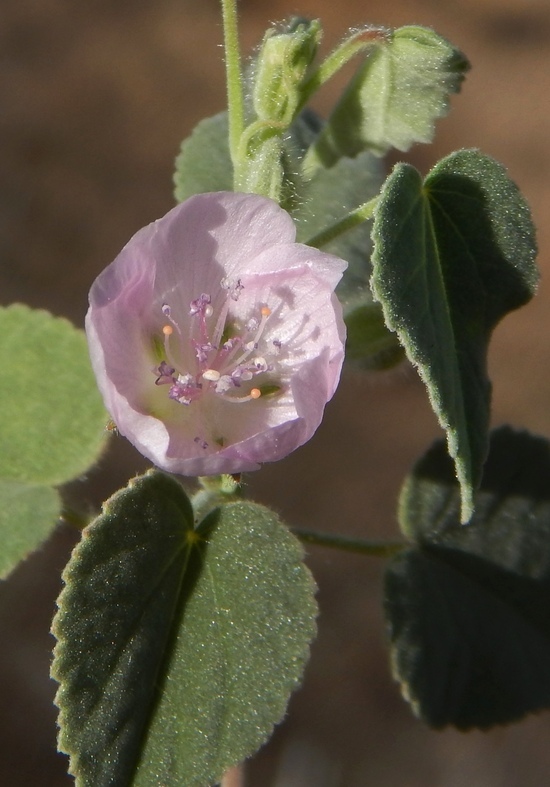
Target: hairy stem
(376, 548)
(234, 77)
(353, 219)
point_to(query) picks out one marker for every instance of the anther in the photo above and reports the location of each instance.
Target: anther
(211, 374)
(167, 330)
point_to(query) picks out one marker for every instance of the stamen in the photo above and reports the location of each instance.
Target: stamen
(255, 393)
(220, 367)
(168, 331)
(165, 374)
(250, 346)
(220, 325)
(201, 307)
(212, 375)
(167, 311)
(199, 304)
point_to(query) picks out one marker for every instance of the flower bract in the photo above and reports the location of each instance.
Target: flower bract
(216, 339)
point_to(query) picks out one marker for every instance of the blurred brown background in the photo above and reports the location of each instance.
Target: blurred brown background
(95, 96)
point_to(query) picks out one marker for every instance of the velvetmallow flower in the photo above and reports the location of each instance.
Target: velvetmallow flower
(216, 339)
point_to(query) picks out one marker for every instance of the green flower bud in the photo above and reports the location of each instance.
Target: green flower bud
(281, 68)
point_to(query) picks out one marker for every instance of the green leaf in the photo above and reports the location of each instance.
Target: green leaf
(204, 163)
(240, 651)
(469, 606)
(52, 420)
(27, 515)
(177, 648)
(395, 97)
(369, 344)
(328, 197)
(113, 624)
(452, 256)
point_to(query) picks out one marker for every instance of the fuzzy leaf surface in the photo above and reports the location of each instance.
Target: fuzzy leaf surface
(453, 254)
(52, 419)
(115, 616)
(395, 97)
(204, 163)
(28, 512)
(240, 650)
(177, 648)
(469, 606)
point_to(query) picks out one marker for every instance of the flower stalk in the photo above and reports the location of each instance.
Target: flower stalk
(353, 219)
(347, 544)
(235, 101)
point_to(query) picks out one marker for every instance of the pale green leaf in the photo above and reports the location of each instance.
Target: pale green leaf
(52, 420)
(28, 514)
(204, 163)
(395, 97)
(453, 255)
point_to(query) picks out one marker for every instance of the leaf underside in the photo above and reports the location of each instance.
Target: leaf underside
(52, 424)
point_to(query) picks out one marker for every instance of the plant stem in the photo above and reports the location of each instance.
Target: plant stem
(235, 106)
(75, 518)
(353, 219)
(377, 548)
(358, 42)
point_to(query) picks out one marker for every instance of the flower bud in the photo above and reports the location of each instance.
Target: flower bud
(282, 65)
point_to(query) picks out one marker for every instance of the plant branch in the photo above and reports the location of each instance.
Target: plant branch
(348, 544)
(353, 219)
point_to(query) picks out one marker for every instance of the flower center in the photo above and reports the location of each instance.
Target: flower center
(227, 360)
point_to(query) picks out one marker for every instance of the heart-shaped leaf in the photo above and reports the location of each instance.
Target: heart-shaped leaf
(177, 647)
(452, 256)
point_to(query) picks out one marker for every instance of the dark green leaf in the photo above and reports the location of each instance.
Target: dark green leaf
(469, 606)
(239, 653)
(177, 648)
(369, 344)
(115, 617)
(328, 197)
(453, 255)
(52, 420)
(28, 513)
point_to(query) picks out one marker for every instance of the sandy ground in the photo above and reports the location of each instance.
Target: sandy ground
(95, 96)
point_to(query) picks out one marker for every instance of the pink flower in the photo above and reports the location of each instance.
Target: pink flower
(216, 339)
